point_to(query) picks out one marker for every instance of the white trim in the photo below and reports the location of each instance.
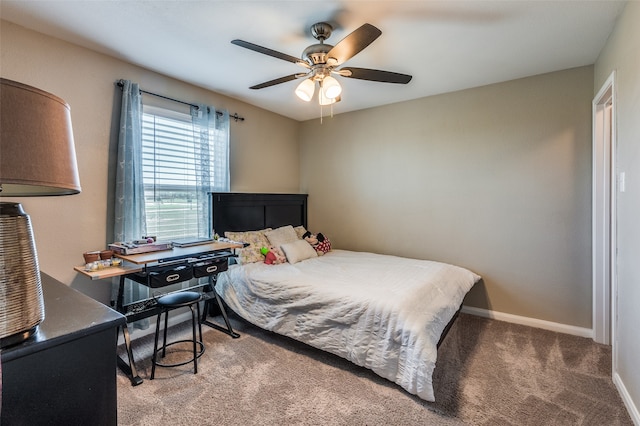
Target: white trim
(626, 398)
(531, 322)
(604, 193)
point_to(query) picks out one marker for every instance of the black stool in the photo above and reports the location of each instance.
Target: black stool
(168, 303)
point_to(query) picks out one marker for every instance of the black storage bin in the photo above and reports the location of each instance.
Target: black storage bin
(164, 277)
(209, 267)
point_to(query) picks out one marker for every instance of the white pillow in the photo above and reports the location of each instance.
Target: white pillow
(300, 231)
(298, 250)
(282, 235)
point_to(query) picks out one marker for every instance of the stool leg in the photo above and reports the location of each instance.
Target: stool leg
(164, 339)
(155, 347)
(199, 322)
(194, 319)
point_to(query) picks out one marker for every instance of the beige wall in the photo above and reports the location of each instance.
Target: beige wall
(65, 227)
(621, 54)
(497, 179)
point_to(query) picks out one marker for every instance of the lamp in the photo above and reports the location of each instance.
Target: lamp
(37, 158)
(306, 89)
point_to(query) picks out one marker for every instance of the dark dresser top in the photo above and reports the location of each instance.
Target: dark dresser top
(69, 315)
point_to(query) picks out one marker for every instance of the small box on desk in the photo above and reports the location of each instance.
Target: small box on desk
(130, 248)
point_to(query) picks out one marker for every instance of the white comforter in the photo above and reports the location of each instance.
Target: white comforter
(381, 312)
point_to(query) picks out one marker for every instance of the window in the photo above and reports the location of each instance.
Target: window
(180, 166)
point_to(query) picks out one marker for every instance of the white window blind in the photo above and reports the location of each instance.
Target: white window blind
(170, 170)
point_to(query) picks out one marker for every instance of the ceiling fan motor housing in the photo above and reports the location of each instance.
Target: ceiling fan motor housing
(316, 53)
(321, 31)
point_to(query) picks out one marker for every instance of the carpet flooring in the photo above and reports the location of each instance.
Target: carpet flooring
(488, 373)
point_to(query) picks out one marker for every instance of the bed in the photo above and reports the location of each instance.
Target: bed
(382, 312)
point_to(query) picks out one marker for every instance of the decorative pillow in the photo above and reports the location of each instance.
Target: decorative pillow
(300, 231)
(298, 250)
(324, 246)
(282, 235)
(255, 239)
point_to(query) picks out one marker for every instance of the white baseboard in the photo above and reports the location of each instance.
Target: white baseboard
(626, 398)
(531, 322)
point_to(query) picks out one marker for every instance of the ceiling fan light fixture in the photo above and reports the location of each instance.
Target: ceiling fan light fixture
(323, 100)
(306, 89)
(331, 88)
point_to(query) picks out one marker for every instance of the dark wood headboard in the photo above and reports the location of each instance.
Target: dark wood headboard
(253, 211)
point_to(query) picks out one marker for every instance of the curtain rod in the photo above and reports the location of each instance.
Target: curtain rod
(235, 115)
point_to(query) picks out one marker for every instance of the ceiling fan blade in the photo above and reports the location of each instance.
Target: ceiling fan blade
(270, 52)
(277, 81)
(375, 75)
(353, 44)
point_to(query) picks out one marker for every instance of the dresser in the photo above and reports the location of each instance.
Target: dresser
(66, 372)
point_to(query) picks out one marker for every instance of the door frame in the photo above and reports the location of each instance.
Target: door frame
(604, 251)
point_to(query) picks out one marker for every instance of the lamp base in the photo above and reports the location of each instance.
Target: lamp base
(20, 337)
(21, 298)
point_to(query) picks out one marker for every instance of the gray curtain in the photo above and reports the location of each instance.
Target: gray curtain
(211, 134)
(130, 218)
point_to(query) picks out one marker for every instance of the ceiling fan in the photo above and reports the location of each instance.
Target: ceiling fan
(322, 60)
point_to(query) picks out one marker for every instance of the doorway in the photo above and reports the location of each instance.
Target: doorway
(604, 214)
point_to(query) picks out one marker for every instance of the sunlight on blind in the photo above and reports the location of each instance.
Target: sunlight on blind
(169, 174)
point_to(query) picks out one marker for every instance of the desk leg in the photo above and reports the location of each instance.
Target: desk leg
(130, 368)
(227, 330)
(120, 298)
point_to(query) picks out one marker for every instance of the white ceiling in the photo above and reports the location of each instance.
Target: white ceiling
(445, 45)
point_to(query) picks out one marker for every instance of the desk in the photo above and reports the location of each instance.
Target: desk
(141, 269)
(65, 372)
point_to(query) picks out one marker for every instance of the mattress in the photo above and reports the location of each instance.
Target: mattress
(382, 312)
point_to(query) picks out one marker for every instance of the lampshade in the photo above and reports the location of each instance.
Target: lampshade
(37, 153)
(306, 89)
(37, 157)
(330, 87)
